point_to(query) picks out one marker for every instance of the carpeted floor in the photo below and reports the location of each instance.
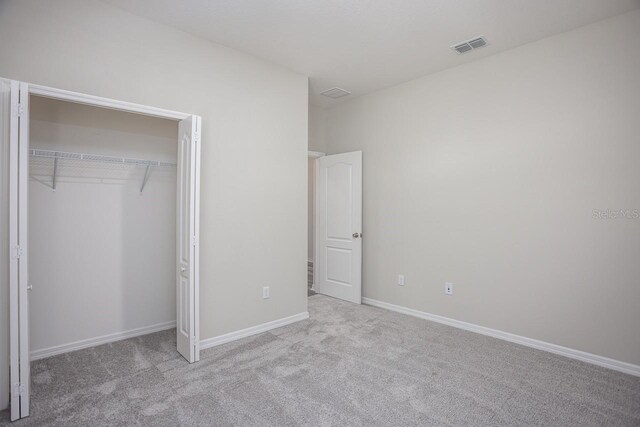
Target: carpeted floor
(347, 365)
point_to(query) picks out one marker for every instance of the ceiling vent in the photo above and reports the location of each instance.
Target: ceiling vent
(335, 93)
(469, 45)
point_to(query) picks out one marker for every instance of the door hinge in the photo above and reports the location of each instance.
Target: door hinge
(194, 240)
(17, 252)
(20, 110)
(19, 389)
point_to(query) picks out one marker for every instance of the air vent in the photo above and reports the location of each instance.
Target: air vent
(335, 93)
(469, 45)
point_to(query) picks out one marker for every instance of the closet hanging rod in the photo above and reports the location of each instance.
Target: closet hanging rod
(64, 155)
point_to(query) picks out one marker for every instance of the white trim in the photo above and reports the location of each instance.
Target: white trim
(23, 241)
(253, 330)
(316, 215)
(99, 101)
(616, 365)
(5, 85)
(196, 233)
(315, 155)
(105, 339)
(14, 322)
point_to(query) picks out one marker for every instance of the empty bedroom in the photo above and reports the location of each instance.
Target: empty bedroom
(305, 213)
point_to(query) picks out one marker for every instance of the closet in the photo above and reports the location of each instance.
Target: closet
(101, 221)
(102, 197)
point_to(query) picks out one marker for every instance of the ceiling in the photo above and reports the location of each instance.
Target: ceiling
(366, 45)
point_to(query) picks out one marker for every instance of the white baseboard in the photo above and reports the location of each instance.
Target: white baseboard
(258, 329)
(616, 365)
(92, 342)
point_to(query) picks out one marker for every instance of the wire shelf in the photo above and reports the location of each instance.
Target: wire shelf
(95, 158)
(48, 167)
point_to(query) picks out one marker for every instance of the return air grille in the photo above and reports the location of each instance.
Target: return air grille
(335, 93)
(469, 45)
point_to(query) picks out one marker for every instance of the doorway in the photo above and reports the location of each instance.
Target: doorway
(49, 168)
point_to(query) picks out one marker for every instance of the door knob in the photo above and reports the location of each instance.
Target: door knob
(356, 235)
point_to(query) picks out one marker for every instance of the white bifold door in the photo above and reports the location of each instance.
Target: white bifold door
(187, 220)
(16, 118)
(339, 226)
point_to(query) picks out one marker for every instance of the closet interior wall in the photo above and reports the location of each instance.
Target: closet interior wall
(102, 253)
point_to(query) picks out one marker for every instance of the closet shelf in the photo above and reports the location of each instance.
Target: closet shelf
(55, 164)
(96, 158)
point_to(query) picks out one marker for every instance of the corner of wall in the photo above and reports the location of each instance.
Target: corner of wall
(317, 129)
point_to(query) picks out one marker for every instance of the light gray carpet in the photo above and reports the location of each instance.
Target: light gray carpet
(347, 365)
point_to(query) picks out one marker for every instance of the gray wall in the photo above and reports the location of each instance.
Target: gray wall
(317, 129)
(254, 141)
(487, 175)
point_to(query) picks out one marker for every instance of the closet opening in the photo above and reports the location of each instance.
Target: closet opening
(103, 220)
(102, 225)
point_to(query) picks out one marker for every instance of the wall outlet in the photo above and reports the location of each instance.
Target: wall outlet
(401, 279)
(265, 292)
(448, 288)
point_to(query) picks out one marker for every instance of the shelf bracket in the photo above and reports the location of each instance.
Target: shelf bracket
(46, 184)
(55, 173)
(146, 177)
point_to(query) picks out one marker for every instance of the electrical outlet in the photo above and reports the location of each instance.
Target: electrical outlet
(265, 292)
(448, 288)
(401, 279)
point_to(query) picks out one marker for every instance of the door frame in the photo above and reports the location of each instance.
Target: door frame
(315, 155)
(101, 102)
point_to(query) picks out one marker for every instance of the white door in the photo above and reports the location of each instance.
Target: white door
(18, 271)
(339, 226)
(187, 298)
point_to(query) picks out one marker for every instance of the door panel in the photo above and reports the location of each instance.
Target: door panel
(339, 226)
(18, 261)
(339, 199)
(339, 265)
(187, 242)
(23, 271)
(14, 304)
